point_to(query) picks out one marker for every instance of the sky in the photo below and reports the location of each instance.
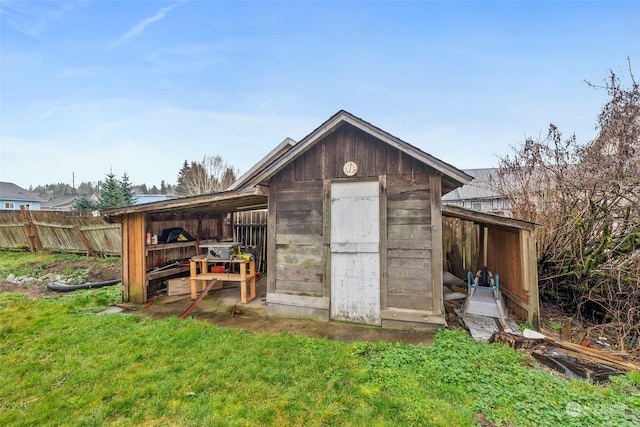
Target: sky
(137, 87)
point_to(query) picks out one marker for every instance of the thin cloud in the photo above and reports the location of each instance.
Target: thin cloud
(33, 18)
(78, 72)
(140, 26)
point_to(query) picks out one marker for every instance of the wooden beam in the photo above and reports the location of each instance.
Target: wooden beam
(326, 236)
(136, 260)
(299, 300)
(204, 293)
(384, 279)
(593, 354)
(435, 189)
(486, 218)
(530, 273)
(32, 232)
(271, 239)
(84, 241)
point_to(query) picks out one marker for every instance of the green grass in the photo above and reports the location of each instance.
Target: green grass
(61, 364)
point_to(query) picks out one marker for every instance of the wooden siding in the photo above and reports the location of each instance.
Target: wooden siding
(409, 244)
(326, 159)
(505, 259)
(298, 238)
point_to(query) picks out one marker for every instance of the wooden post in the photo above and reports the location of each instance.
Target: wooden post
(435, 189)
(84, 241)
(32, 232)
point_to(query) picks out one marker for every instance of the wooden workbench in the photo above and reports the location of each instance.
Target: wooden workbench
(199, 275)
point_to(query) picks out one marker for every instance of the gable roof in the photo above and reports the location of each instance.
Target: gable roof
(282, 148)
(10, 191)
(266, 169)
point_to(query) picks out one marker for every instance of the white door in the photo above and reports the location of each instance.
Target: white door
(355, 252)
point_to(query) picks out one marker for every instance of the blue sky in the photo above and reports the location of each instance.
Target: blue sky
(88, 87)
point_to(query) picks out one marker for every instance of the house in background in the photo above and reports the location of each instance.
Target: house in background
(480, 194)
(64, 203)
(13, 196)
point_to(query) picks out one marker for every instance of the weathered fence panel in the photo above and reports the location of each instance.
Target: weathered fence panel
(250, 229)
(460, 246)
(13, 233)
(74, 232)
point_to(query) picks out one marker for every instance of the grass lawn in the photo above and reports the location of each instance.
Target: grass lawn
(61, 364)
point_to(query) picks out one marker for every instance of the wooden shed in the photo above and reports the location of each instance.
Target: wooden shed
(354, 228)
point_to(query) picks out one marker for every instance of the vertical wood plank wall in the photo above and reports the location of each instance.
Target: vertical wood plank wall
(409, 242)
(504, 259)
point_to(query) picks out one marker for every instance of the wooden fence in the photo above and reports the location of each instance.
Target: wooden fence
(73, 232)
(460, 240)
(251, 231)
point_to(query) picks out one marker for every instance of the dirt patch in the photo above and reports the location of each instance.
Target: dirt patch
(212, 309)
(36, 287)
(34, 291)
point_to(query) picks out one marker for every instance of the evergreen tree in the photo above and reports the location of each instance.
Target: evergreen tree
(127, 190)
(84, 204)
(180, 185)
(163, 187)
(111, 195)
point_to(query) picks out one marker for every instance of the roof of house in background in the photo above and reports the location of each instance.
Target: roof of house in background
(59, 203)
(10, 191)
(139, 199)
(478, 189)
